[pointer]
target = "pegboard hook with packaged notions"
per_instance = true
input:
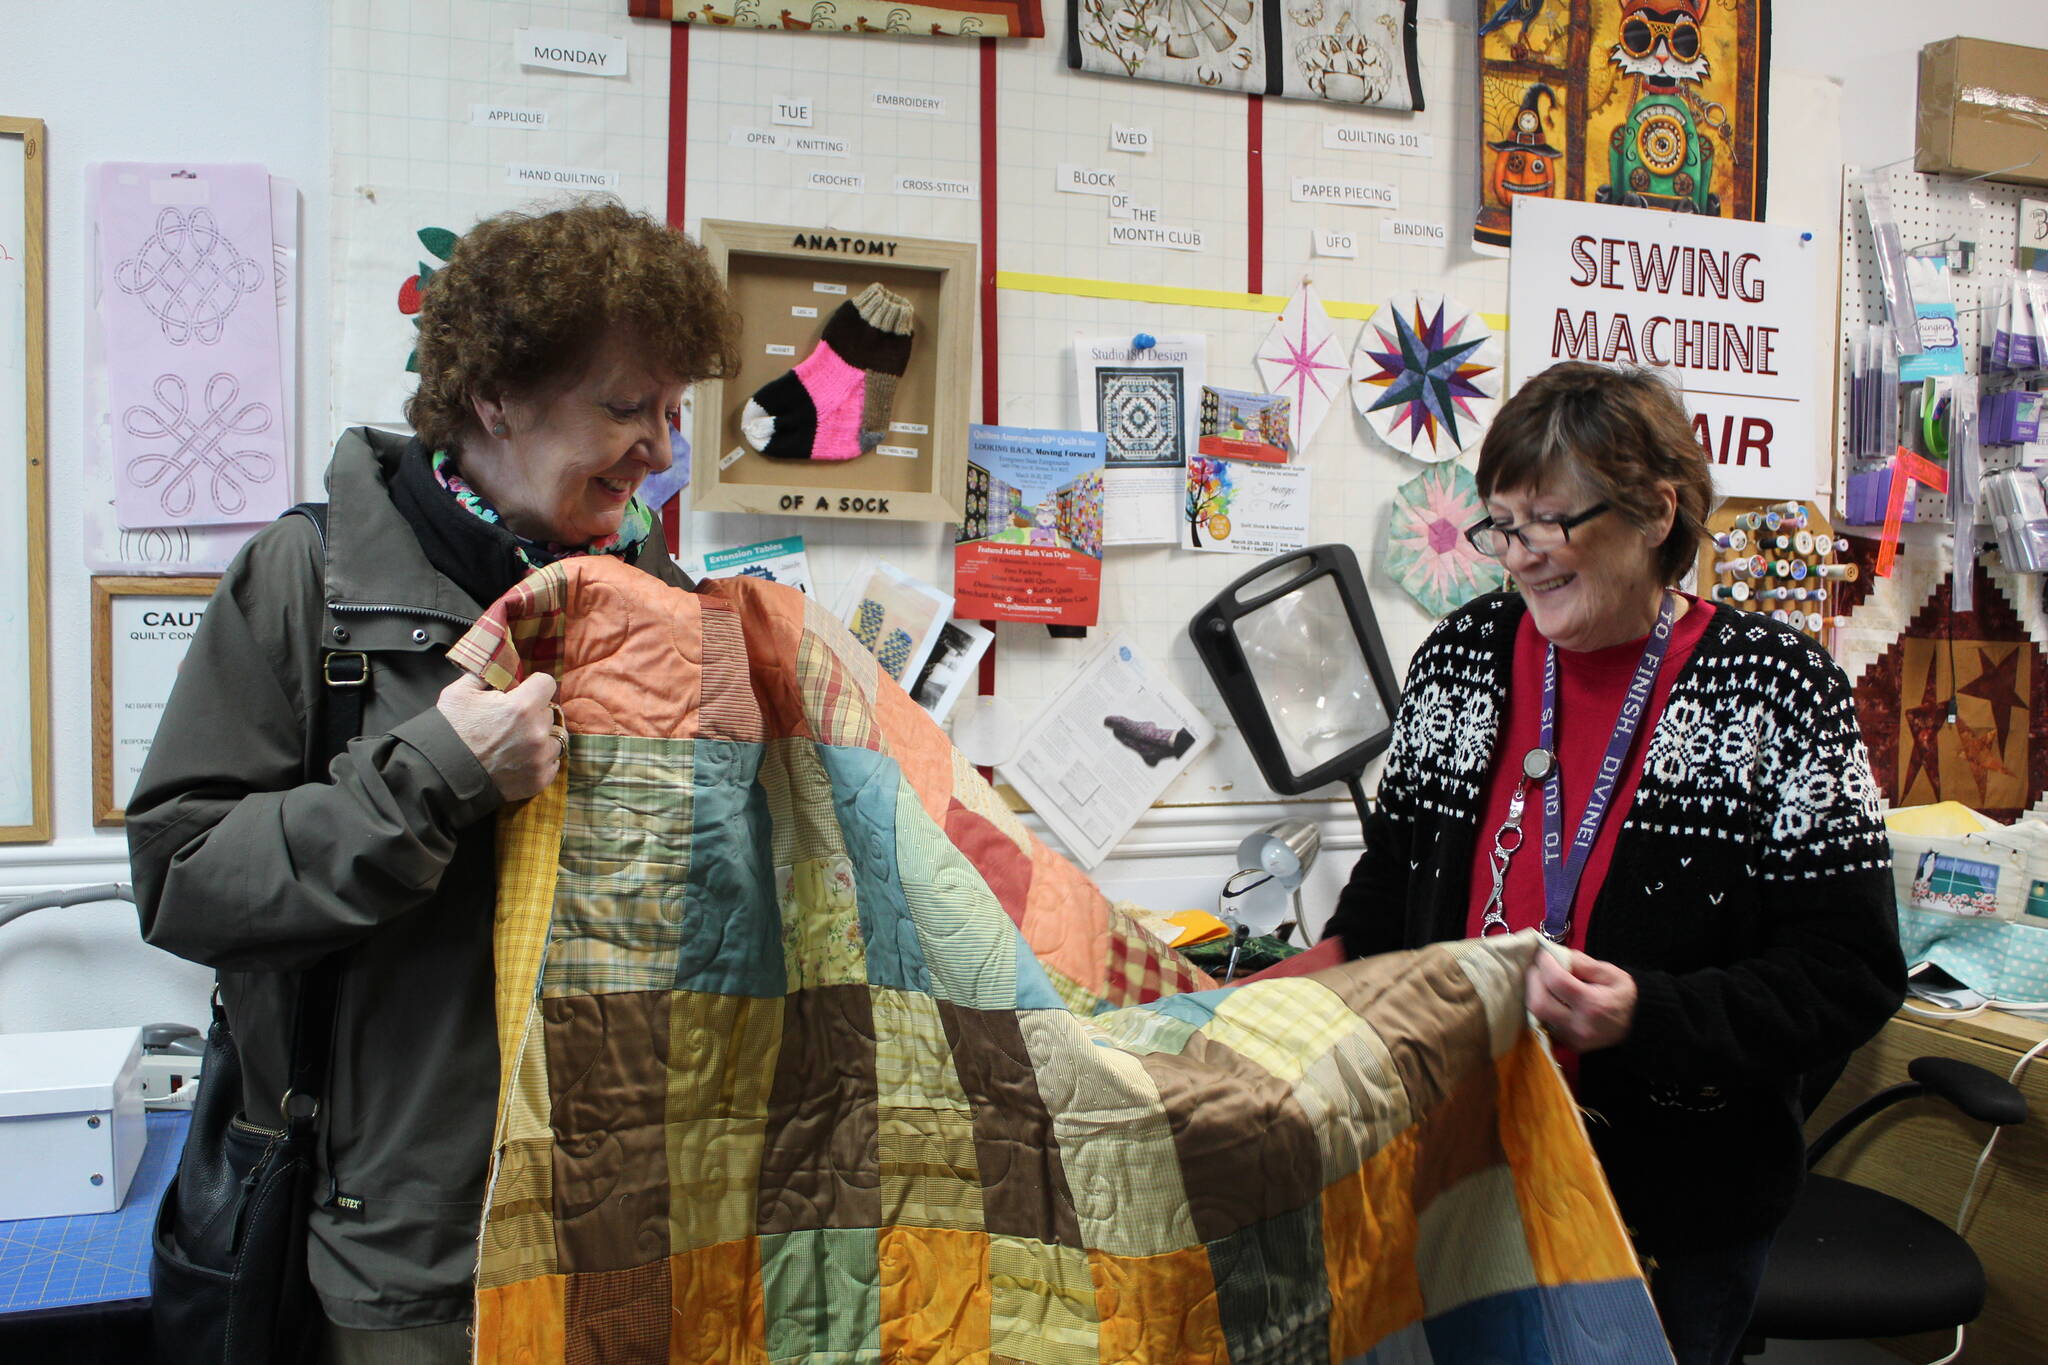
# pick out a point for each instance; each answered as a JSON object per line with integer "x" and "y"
{"x": 1883, "y": 404}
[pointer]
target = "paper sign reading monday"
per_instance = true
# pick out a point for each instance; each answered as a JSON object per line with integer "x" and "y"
{"x": 588, "y": 54}
{"x": 1725, "y": 308}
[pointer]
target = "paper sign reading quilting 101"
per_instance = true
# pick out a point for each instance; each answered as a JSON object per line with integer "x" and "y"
{"x": 1030, "y": 545}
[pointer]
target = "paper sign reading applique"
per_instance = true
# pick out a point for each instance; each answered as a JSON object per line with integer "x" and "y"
{"x": 795, "y": 113}
{"x": 1358, "y": 194}
{"x": 1351, "y": 137}
{"x": 1330, "y": 242}
{"x": 1122, "y": 139}
{"x": 1410, "y": 232}
{"x": 587, "y": 54}
{"x": 931, "y": 188}
{"x": 1086, "y": 180}
{"x": 906, "y": 102}
{"x": 561, "y": 177}
{"x": 839, "y": 182}
{"x": 505, "y": 116}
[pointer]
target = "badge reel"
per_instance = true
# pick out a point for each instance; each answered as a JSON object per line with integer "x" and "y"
{"x": 1537, "y": 765}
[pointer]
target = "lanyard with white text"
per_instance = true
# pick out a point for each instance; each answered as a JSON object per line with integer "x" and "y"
{"x": 1561, "y": 871}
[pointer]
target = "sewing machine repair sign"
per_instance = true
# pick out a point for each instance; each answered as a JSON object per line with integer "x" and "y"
{"x": 1725, "y": 309}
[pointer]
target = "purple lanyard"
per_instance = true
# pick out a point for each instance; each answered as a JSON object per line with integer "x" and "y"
{"x": 1561, "y": 873}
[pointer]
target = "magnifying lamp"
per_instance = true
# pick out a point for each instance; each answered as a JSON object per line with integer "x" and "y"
{"x": 1296, "y": 653}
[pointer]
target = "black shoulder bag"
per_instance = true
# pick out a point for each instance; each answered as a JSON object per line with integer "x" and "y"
{"x": 227, "y": 1279}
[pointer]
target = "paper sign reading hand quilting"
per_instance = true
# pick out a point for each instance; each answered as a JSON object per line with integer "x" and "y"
{"x": 1301, "y": 358}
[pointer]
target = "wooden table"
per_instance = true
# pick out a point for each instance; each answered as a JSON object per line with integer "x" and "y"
{"x": 1922, "y": 1152}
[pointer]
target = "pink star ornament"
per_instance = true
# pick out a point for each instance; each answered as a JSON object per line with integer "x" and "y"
{"x": 1301, "y": 358}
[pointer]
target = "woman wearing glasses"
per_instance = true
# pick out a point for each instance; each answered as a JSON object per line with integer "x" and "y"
{"x": 1676, "y": 794}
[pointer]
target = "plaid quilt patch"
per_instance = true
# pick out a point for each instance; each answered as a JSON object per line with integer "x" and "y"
{"x": 811, "y": 1053}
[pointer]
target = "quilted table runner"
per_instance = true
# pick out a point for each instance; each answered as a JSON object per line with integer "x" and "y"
{"x": 812, "y": 1053}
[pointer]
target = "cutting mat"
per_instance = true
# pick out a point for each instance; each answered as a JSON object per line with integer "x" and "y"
{"x": 92, "y": 1258}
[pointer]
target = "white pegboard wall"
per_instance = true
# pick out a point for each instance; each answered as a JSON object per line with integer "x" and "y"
{"x": 1930, "y": 209}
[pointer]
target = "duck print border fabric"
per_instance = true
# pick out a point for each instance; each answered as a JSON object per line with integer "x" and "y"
{"x": 953, "y": 19}
{"x": 811, "y": 1052}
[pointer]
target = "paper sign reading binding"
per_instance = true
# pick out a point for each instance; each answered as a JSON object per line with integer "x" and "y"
{"x": 1413, "y": 232}
{"x": 587, "y": 54}
{"x": 1357, "y": 194}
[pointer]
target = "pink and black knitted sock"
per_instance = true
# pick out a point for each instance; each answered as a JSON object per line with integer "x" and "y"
{"x": 835, "y": 404}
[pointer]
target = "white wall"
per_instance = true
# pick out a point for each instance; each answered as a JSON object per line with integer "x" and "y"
{"x": 207, "y": 80}
{"x": 241, "y": 80}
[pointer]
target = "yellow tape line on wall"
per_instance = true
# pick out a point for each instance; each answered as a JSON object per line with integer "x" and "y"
{"x": 1186, "y": 298}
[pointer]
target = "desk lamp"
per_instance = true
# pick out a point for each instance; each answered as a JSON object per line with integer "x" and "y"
{"x": 1295, "y": 650}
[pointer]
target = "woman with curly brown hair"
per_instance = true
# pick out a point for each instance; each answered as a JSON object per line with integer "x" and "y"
{"x": 554, "y": 351}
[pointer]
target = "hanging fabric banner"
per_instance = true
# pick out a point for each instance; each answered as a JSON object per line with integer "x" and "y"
{"x": 950, "y": 19}
{"x": 1649, "y": 103}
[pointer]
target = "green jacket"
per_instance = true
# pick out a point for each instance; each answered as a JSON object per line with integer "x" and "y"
{"x": 242, "y": 864}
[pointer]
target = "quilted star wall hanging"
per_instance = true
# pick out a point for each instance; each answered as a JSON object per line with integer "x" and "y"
{"x": 1358, "y": 52}
{"x": 1426, "y": 375}
{"x": 1646, "y": 103}
{"x": 1427, "y": 553}
{"x": 948, "y": 19}
{"x": 1302, "y": 359}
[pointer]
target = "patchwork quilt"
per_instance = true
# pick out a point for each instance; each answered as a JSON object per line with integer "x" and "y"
{"x": 812, "y": 1053}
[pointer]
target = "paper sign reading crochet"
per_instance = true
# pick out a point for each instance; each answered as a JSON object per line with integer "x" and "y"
{"x": 1726, "y": 308}
{"x": 1029, "y": 547}
{"x": 587, "y": 54}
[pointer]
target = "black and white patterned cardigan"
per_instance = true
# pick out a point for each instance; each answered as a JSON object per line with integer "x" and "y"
{"x": 1749, "y": 895}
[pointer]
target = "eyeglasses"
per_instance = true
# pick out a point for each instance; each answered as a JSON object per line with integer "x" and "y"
{"x": 1539, "y": 535}
{"x": 1639, "y": 37}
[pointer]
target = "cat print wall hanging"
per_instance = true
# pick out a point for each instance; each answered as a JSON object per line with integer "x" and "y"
{"x": 1648, "y": 103}
{"x": 1358, "y": 52}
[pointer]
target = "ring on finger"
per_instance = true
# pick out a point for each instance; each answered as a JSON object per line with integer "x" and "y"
{"x": 561, "y": 739}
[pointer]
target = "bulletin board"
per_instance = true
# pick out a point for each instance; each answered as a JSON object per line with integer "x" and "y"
{"x": 963, "y": 141}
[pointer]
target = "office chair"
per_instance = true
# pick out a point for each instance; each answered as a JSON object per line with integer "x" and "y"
{"x": 1850, "y": 1262}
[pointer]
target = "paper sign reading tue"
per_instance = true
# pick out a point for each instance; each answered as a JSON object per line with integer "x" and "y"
{"x": 588, "y": 54}
{"x": 1726, "y": 308}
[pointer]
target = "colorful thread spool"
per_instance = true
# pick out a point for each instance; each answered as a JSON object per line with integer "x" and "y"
{"x": 1731, "y": 592}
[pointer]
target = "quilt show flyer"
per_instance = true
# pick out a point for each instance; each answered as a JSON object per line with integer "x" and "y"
{"x": 1143, "y": 399}
{"x": 1030, "y": 545}
{"x": 1246, "y": 426}
{"x": 1244, "y": 507}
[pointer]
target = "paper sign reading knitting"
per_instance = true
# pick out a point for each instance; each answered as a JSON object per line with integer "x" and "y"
{"x": 1727, "y": 309}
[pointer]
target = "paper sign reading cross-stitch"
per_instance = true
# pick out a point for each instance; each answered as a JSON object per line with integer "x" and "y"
{"x": 1647, "y": 103}
{"x": 190, "y": 314}
{"x": 1726, "y": 309}
{"x": 1030, "y": 545}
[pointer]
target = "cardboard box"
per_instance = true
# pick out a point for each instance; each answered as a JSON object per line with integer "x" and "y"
{"x": 71, "y": 1121}
{"x": 1984, "y": 110}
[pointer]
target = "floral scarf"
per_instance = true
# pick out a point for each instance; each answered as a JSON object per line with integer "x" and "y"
{"x": 634, "y": 526}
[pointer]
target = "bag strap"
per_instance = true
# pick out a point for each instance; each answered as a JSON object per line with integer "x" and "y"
{"x": 346, "y": 675}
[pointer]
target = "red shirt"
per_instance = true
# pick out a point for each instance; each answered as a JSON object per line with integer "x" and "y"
{"x": 1590, "y": 690}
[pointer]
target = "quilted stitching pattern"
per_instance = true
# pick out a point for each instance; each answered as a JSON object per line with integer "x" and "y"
{"x": 813, "y": 1054}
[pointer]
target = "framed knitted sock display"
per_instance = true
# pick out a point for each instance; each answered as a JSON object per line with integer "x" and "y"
{"x": 835, "y": 404}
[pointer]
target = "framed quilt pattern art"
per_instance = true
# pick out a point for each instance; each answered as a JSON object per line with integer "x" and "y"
{"x": 1645, "y": 103}
{"x": 1357, "y": 52}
